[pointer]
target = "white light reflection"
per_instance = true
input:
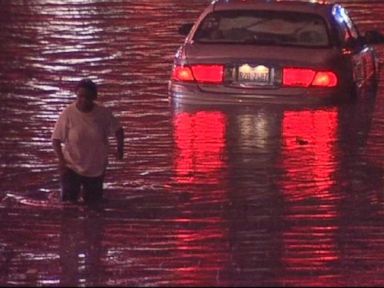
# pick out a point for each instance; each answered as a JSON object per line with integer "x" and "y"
{"x": 67, "y": 34}
{"x": 253, "y": 130}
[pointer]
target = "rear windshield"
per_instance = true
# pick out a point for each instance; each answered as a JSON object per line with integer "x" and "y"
{"x": 263, "y": 27}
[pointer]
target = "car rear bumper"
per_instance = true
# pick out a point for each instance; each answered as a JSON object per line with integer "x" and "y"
{"x": 190, "y": 93}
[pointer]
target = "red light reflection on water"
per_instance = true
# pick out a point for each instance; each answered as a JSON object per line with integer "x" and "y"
{"x": 200, "y": 139}
{"x": 309, "y": 246}
{"x": 308, "y": 146}
{"x": 201, "y": 261}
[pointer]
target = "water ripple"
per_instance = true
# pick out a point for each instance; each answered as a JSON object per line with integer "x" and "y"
{"x": 251, "y": 196}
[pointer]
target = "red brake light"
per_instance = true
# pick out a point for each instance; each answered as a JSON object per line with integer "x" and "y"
{"x": 208, "y": 73}
{"x": 182, "y": 73}
{"x": 325, "y": 79}
{"x": 201, "y": 73}
{"x": 304, "y": 77}
{"x": 298, "y": 77}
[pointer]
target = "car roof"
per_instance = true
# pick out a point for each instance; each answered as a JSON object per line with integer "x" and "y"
{"x": 318, "y": 7}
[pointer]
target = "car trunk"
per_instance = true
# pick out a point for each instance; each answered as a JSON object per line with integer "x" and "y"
{"x": 249, "y": 67}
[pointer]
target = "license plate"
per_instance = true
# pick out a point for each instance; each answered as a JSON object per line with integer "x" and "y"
{"x": 258, "y": 74}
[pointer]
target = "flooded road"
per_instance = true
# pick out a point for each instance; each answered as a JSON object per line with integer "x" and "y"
{"x": 239, "y": 196}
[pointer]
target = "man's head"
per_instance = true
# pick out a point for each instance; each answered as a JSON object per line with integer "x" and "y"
{"x": 86, "y": 92}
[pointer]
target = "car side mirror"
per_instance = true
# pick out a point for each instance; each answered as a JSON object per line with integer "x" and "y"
{"x": 185, "y": 29}
{"x": 373, "y": 37}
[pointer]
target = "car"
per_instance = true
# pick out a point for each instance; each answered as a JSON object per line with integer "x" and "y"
{"x": 275, "y": 51}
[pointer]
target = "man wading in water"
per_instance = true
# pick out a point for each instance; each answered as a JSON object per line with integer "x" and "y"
{"x": 83, "y": 128}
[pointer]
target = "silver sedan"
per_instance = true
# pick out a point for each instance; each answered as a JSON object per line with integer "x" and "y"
{"x": 275, "y": 52}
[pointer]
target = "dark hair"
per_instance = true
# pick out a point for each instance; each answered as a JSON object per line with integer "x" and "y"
{"x": 89, "y": 85}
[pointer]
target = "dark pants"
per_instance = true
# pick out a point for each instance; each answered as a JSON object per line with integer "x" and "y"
{"x": 71, "y": 184}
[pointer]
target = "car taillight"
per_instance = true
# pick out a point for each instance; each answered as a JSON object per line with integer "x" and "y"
{"x": 201, "y": 73}
{"x": 208, "y": 73}
{"x": 297, "y": 77}
{"x": 182, "y": 73}
{"x": 303, "y": 77}
{"x": 325, "y": 79}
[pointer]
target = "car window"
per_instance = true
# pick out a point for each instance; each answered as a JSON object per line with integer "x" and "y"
{"x": 263, "y": 27}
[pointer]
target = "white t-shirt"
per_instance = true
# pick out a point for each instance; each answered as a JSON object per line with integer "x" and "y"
{"x": 85, "y": 138}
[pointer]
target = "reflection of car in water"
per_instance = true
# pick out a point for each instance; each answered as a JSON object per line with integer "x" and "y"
{"x": 283, "y": 177}
{"x": 273, "y": 51}
{"x": 213, "y": 142}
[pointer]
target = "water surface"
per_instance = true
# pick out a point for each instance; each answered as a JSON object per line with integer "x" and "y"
{"x": 239, "y": 196}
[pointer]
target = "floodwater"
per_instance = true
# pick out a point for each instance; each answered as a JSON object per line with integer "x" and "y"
{"x": 239, "y": 196}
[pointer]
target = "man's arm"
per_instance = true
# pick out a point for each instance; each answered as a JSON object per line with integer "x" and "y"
{"x": 56, "y": 143}
{"x": 120, "y": 143}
